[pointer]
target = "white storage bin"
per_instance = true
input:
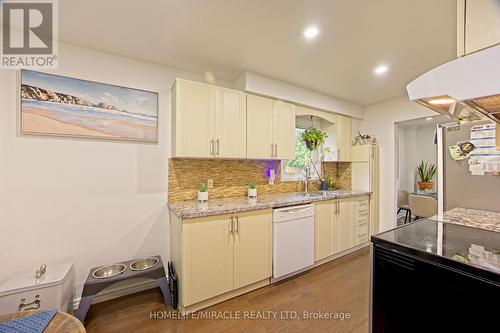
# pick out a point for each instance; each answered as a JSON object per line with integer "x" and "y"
{"x": 53, "y": 290}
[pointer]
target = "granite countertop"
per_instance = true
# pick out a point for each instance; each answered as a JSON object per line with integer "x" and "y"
{"x": 475, "y": 218}
{"x": 193, "y": 209}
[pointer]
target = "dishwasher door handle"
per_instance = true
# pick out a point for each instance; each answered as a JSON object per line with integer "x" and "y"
{"x": 294, "y": 211}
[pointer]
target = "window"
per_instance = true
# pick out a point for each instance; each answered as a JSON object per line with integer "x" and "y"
{"x": 295, "y": 169}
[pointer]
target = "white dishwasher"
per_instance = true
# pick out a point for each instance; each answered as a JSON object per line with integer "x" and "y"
{"x": 293, "y": 240}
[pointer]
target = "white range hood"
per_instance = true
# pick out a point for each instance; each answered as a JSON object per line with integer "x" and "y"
{"x": 467, "y": 88}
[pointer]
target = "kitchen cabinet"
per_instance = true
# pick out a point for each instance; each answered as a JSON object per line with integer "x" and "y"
{"x": 365, "y": 177}
{"x": 344, "y": 134}
{"x": 231, "y": 125}
{"x": 339, "y": 130}
{"x": 252, "y": 248}
{"x": 211, "y": 244}
{"x": 270, "y": 128}
{"x": 478, "y": 25}
{"x": 325, "y": 229}
{"x": 208, "y": 121}
{"x": 345, "y": 225}
{"x": 221, "y": 255}
{"x": 340, "y": 225}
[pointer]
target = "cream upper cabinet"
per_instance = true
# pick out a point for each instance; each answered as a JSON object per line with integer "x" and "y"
{"x": 259, "y": 127}
{"x": 208, "y": 121}
{"x": 270, "y": 128}
{"x": 344, "y": 135}
{"x": 478, "y": 25}
{"x": 211, "y": 257}
{"x": 284, "y": 130}
{"x": 252, "y": 248}
{"x": 193, "y": 116}
{"x": 231, "y": 125}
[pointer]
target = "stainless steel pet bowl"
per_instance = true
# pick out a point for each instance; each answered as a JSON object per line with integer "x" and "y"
{"x": 108, "y": 271}
{"x": 143, "y": 264}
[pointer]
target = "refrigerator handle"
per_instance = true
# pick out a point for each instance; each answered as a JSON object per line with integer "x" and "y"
{"x": 440, "y": 162}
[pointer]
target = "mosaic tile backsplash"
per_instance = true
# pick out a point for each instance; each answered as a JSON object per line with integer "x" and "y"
{"x": 232, "y": 176}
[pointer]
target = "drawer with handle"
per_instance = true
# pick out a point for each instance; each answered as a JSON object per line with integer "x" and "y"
{"x": 360, "y": 234}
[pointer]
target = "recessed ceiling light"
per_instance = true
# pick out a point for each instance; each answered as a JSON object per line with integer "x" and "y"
{"x": 428, "y": 118}
{"x": 381, "y": 70}
{"x": 440, "y": 101}
{"x": 311, "y": 32}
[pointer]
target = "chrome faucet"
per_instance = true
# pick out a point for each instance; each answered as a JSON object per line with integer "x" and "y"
{"x": 306, "y": 179}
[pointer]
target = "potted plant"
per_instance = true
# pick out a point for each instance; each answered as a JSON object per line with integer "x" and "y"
{"x": 426, "y": 173}
{"x": 202, "y": 193}
{"x": 252, "y": 190}
{"x": 313, "y": 138}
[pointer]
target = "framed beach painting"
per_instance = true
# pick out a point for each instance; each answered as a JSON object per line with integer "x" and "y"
{"x": 63, "y": 106}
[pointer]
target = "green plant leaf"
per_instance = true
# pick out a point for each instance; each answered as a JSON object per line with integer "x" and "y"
{"x": 426, "y": 171}
{"x": 313, "y": 138}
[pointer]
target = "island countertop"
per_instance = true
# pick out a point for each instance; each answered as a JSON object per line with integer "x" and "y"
{"x": 193, "y": 209}
{"x": 480, "y": 219}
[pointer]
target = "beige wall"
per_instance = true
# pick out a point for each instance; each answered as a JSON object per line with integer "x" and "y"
{"x": 87, "y": 202}
{"x": 379, "y": 121}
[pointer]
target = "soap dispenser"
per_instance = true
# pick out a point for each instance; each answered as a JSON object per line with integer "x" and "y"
{"x": 272, "y": 176}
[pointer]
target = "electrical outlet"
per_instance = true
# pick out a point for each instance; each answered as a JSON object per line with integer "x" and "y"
{"x": 210, "y": 183}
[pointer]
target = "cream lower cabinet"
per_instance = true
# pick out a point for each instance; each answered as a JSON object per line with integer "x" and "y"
{"x": 340, "y": 225}
{"x": 252, "y": 248}
{"x": 218, "y": 255}
{"x": 325, "y": 229}
{"x": 211, "y": 261}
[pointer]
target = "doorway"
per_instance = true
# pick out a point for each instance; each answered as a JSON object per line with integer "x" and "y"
{"x": 416, "y": 145}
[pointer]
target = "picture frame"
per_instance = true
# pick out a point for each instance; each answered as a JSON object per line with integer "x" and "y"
{"x": 56, "y": 105}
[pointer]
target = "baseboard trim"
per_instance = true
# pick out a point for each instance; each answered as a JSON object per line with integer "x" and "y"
{"x": 340, "y": 254}
{"x": 224, "y": 297}
{"x": 139, "y": 286}
{"x": 128, "y": 289}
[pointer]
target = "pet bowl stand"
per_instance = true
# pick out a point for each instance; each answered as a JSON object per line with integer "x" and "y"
{"x": 94, "y": 285}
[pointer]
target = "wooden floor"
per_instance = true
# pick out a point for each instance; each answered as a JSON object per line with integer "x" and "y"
{"x": 340, "y": 286}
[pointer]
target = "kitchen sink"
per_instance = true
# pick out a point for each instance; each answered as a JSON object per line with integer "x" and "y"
{"x": 314, "y": 193}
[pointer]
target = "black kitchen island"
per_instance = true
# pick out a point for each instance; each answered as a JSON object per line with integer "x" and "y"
{"x": 430, "y": 276}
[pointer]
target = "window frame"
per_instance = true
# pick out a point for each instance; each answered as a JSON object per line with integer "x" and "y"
{"x": 295, "y": 176}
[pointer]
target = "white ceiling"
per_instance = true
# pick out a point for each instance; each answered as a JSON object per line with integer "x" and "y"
{"x": 228, "y": 37}
{"x": 414, "y": 123}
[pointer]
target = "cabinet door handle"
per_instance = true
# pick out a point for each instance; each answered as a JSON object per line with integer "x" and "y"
{"x": 212, "y": 147}
{"x": 275, "y": 150}
{"x": 237, "y": 229}
{"x": 272, "y": 150}
{"x": 30, "y": 306}
{"x": 217, "y": 143}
